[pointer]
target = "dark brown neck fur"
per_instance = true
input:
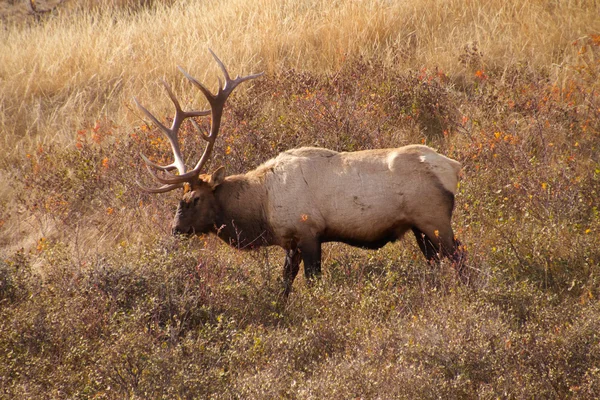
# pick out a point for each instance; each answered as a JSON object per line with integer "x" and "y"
{"x": 241, "y": 220}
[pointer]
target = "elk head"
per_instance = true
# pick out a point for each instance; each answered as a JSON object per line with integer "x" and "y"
{"x": 198, "y": 208}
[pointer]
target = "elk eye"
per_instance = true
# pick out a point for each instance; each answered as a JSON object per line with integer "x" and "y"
{"x": 196, "y": 200}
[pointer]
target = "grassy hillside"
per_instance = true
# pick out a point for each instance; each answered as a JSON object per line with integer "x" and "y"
{"x": 98, "y": 301}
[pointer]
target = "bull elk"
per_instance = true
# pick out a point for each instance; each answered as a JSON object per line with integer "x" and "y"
{"x": 307, "y": 196}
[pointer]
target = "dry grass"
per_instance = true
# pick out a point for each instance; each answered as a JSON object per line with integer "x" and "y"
{"x": 78, "y": 67}
{"x": 97, "y": 301}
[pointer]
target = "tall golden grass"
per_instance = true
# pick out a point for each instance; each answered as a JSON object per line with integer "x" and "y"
{"x": 78, "y": 66}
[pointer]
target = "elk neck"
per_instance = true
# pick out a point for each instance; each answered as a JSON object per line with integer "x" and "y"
{"x": 241, "y": 220}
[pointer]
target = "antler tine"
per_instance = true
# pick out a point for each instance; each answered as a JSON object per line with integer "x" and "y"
{"x": 161, "y": 189}
{"x": 152, "y": 164}
{"x": 171, "y": 134}
{"x": 217, "y": 102}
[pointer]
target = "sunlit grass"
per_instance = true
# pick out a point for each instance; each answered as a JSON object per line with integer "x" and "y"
{"x": 80, "y": 66}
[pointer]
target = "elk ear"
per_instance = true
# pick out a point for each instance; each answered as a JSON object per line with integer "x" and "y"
{"x": 217, "y": 177}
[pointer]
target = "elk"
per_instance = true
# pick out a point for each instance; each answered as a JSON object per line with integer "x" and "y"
{"x": 307, "y": 196}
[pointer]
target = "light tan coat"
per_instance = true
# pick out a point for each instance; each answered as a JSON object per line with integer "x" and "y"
{"x": 308, "y": 196}
{"x": 357, "y": 195}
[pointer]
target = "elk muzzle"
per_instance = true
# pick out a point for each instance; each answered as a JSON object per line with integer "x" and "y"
{"x": 179, "y": 231}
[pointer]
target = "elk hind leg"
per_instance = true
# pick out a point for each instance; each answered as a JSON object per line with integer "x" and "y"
{"x": 438, "y": 243}
{"x": 428, "y": 247}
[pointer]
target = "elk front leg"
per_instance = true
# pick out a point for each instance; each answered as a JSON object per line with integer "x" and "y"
{"x": 311, "y": 256}
{"x": 445, "y": 246}
{"x": 290, "y": 269}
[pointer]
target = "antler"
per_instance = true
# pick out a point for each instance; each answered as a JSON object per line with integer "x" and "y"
{"x": 171, "y": 134}
{"x": 217, "y": 102}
